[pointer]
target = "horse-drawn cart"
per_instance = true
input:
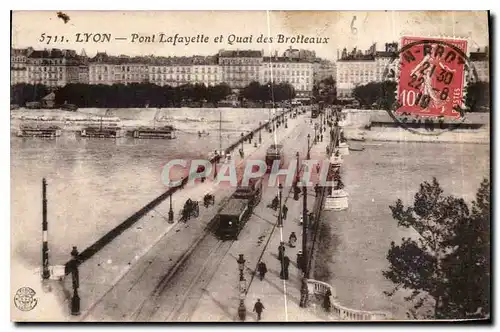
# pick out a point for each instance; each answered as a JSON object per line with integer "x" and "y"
{"x": 191, "y": 209}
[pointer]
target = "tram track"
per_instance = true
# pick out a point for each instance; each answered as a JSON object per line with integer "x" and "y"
{"x": 177, "y": 295}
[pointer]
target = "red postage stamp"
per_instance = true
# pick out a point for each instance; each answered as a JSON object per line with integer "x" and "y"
{"x": 431, "y": 80}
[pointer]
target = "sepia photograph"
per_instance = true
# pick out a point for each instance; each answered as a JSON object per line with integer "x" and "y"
{"x": 250, "y": 166}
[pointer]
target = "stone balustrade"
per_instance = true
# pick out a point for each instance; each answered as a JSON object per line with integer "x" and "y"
{"x": 320, "y": 288}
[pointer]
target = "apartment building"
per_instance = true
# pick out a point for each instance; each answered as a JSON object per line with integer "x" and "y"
{"x": 18, "y": 65}
{"x": 175, "y": 71}
{"x": 52, "y": 68}
{"x": 360, "y": 68}
{"x": 293, "y": 70}
{"x": 240, "y": 67}
{"x": 105, "y": 69}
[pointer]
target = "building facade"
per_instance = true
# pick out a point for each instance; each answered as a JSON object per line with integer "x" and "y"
{"x": 52, "y": 68}
{"x": 360, "y": 68}
{"x": 18, "y": 65}
{"x": 295, "y": 71}
{"x": 240, "y": 67}
{"x": 105, "y": 69}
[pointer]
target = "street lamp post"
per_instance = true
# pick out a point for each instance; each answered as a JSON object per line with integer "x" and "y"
{"x": 303, "y": 290}
{"x": 296, "y": 189}
{"x": 260, "y": 133}
{"x": 75, "y": 299}
{"x": 242, "y": 310}
{"x": 315, "y": 132}
{"x": 280, "y": 211}
{"x": 45, "y": 242}
{"x": 170, "y": 211}
{"x": 308, "y": 144}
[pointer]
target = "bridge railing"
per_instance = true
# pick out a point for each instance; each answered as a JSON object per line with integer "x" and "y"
{"x": 317, "y": 287}
{"x": 116, "y": 231}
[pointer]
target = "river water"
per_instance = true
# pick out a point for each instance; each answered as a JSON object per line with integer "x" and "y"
{"x": 94, "y": 184}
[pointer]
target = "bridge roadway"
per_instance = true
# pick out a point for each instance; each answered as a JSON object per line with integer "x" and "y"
{"x": 178, "y": 298}
{"x": 151, "y": 276}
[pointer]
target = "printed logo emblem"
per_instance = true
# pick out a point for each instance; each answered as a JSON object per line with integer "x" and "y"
{"x": 25, "y": 299}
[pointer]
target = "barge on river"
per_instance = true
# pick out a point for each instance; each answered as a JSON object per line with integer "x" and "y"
{"x": 166, "y": 132}
{"x": 39, "y": 131}
{"x": 102, "y": 132}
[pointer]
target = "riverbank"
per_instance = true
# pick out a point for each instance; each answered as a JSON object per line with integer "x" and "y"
{"x": 360, "y": 236}
{"x": 377, "y": 125}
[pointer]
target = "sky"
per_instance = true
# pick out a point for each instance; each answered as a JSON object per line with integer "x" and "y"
{"x": 342, "y": 28}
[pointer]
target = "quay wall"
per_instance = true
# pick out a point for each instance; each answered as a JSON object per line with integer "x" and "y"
{"x": 377, "y": 125}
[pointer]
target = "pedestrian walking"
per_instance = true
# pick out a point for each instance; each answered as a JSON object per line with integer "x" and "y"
{"x": 316, "y": 189}
{"x": 318, "y": 167}
{"x": 262, "y": 268}
{"x": 292, "y": 239}
{"x": 281, "y": 250}
{"x": 258, "y": 308}
{"x": 285, "y": 211}
{"x": 285, "y": 263}
{"x": 300, "y": 260}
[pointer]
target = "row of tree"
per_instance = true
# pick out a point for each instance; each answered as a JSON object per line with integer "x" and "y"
{"x": 120, "y": 95}
{"x": 382, "y": 95}
{"x": 22, "y": 93}
{"x": 446, "y": 269}
{"x": 141, "y": 94}
{"x": 268, "y": 92}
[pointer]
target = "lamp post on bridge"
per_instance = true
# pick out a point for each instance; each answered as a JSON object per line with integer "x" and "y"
{"x": 304, "y": 259}
{"x": 296, "y": 189}
{"x": 75, "y": 299}
{"x": 280, "y": 210}
{"x": 316, "y": 132}
{"x": 45, "y": 242}
{"x": 260, "y": 133}
{"x": 171, "y": 211}
{"x": 308, "y": 144}
{"x": 242, "y": 310}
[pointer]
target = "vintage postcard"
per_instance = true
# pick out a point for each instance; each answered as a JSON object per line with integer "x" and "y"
{"x": 250, "y": 166}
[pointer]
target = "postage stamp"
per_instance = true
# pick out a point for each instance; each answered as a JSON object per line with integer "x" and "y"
{"x": 431, "y": 77}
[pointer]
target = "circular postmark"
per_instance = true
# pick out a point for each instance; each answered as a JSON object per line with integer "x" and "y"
{"x": 431, "y": 77}
{"x": 25, "y": 299}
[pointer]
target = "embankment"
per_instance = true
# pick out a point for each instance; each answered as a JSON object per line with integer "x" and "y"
{"x": 377, "y": 125}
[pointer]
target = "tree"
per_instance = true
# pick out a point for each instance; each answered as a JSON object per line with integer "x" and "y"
{"x": 22, "y": 93}
{"x": 325, "y": 91}
{"x": 253, "y": 91}
{"x": 469, "y": 265}
{"x": 382, "y": 94}
{"x": 428, "y": 265}
{"x": 218, "y": 92}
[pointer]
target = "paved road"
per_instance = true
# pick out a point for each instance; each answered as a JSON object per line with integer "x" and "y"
{"x": 178, "y": 297}
{"x": 146, "y": 276}
{"x": 259, "y": 241}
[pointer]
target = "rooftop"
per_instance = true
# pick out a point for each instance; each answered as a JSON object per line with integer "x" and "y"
{"x": 240, "y": 53}
{"x": 284, "y": 59}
